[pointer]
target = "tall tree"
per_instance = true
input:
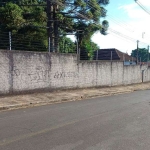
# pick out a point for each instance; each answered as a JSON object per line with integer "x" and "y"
{"x": 26, "y": 23}
{"x": 80, "y": 17}
{"x": 84, "y": 16}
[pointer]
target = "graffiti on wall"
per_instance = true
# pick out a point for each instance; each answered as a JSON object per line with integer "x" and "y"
{"x": 39, "y": 75}
{"x": 61, "y": 75}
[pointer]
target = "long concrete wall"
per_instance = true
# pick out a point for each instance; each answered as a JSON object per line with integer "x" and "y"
{"x": 28, "y": 71}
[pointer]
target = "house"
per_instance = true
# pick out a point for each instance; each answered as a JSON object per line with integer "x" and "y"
{"x": 114, "y": 54}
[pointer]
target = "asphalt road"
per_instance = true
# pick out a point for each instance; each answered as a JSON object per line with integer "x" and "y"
{"x": 120, "y": 122}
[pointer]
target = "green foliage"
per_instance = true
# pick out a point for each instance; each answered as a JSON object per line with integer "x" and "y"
{"x": 11, "y": 17}
{"x": 83, "y": 19}
{"x": 30, "y": 22}
{"x": 26, "y": 23}
{"x": 143, "y": 54}
{"x": 94, "y": 10}
{"x": 89, "y": 47}
{"x": 104, "y": 28}
{"x": 66, "y": 45}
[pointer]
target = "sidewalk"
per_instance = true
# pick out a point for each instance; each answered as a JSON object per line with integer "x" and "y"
{"x": 37, "y": 99}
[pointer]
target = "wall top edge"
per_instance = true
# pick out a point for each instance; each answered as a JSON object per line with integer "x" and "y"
{"x": 34, "y": 52}
{"x": 83, "y": 61}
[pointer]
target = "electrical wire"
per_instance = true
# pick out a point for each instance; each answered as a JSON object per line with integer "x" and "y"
{"x": 126, "y": 26}
{"x": 126, "y": 37}
{"x": 83, "y": 16}
{"x": 120, "y": 34}
{"x": 142, "y": 6}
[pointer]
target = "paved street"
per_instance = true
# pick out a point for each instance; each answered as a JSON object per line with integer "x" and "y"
{"x": 120, "y": 122}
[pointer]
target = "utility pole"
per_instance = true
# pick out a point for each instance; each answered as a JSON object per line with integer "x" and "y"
{"x": 55, "y": 7}
{"x": 50, "y": 29}
{"x": 143, "y": 33}
{"x": 147, "y": 54}
{"x": 137, "y": 52}
{"x": 52, "y": 24}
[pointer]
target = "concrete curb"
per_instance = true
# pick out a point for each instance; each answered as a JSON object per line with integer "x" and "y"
{"x": 39, "y": 99}
{"x": 73, "y": 98}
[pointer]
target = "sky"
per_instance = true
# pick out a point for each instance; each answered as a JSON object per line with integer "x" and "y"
{"x": 128, "y": 22}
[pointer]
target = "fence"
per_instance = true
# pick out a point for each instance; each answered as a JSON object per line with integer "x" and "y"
{"x": 26, "y": 42}
{"x": 108, "y": 55}
{"x": 35, "y": 42}
{"x": 40, "y": 42}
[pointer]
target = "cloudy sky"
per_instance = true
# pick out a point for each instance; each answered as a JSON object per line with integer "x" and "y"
{"x": 128, "y": 23}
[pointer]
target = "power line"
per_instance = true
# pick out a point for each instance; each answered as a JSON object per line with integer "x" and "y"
{"x": 116, "y": 32}
{"x": 112, "y": 30}
{"x": 126, "y": 26}
{"x": 142, "y": 6}
{"x": 122, "y": 35}
{"x": 120, "y": 23}
{"x": 126, "y": 37}
{"x": 83, "y": 16}
{"x": 117, "y": 22}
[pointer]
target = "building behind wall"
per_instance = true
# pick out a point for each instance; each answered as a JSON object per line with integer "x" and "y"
{"x": 114, "y": 54}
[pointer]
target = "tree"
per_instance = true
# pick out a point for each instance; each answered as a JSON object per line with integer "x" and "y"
{"x": 29, "y": 23}
{"x": 11, "y": 17}
{"x": 25, "y": 24}
{"x": 66, "y": 45}
{"x": 85, "y": 17}
{"x": 87, "y": 50}
{"x": 143, "y": 54}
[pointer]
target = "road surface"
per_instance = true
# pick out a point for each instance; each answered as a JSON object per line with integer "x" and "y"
{"x": 120, "y": 122}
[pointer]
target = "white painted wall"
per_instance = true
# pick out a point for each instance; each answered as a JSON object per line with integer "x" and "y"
{"x": 28, "y": 71}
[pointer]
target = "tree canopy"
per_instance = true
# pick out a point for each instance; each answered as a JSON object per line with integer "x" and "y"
{"x": 84, "y": 16}
{"x": 143, "y": 54}
{"x": 28, "y": 19}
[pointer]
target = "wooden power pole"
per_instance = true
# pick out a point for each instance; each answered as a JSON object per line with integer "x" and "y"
{"x": 50, "y": 29}
{"x": 56, "y": 36}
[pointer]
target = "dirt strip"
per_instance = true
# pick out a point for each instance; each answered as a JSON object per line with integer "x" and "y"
{"x": 37, "y": 99}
